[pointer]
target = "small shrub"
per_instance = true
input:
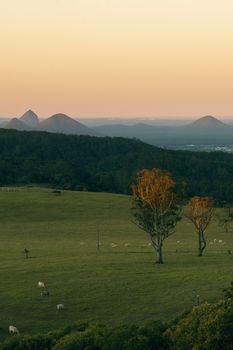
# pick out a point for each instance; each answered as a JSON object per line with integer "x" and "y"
{"x": 77, "y": 341}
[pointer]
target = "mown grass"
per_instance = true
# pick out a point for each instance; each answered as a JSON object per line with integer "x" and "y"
{"x": 113, "y": 285}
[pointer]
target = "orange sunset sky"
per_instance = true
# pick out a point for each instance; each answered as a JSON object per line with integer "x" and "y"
{"x": 125, "y": 58}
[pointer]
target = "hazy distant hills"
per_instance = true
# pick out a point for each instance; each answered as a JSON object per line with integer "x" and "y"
{"x": 206, "y": 130}
{"x": 58, "y": 123}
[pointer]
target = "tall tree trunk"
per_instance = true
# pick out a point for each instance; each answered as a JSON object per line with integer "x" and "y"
{"x": 203, "y": 242}
{"x": 199, "y": 244}
{"x": 159, "y": 253}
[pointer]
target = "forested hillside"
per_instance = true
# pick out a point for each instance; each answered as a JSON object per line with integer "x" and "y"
{"x": 106, "y": 164}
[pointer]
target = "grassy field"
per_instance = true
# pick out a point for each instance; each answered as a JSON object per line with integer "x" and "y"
{"x": 118, "y": 284}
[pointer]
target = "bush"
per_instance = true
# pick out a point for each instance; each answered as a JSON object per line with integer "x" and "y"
{"x": 148, "y": 337}
{"x": 36, "y": 342}
{"x": 206, "y": 327}
{"x": 75, "y": 327}
{"x": 40, "y": 341}
{"x": 117, "y": 338}
{"x": 154, "y": 331}
{"x": 77, "y": 341}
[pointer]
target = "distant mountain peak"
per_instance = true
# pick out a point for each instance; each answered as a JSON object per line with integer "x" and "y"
{"x": 61, "y": 116}
{"x": 30, "y": 111}
{"x": 17, "y": 124}
{"x": 61, "y": 123}
{"x": 30, "y": 118}
{"x": 208, "y": 122}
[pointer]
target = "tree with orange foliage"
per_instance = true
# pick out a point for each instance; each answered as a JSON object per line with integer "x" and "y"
{"x": 200, "y": 212}
{"x": 155, "y": 206}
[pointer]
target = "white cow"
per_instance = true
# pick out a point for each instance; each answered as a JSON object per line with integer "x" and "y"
{"x": 13, "y": 329}
{"x": 41, "y": 284}
{"x": 60, "y": 306}
{"x": 113, "y": 245}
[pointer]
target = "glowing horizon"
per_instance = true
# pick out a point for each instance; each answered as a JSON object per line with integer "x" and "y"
{"x": 109, "y": 58}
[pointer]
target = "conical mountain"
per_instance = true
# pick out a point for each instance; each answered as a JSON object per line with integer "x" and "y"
{"x": 61, "y": 123}
{"x": 30, "y": 118}
{"x": 17, "y": 125}
{"x": 208, "y": 122}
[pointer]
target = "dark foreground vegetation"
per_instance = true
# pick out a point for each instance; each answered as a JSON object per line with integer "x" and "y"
{"x": 206, "y": 327}
{"x": 107, "y": 164}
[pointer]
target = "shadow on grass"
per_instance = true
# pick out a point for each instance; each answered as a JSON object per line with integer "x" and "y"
{"x": 123, "y": 253}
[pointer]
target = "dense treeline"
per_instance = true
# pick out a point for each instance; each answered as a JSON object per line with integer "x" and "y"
{"x": 106, "y": 164}
{"x": 206, "y": 327}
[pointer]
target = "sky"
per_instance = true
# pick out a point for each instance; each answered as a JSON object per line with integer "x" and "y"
{"x": 116, "y": 58}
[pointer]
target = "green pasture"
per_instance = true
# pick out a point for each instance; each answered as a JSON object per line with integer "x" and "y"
{"x": 119, "y": 283}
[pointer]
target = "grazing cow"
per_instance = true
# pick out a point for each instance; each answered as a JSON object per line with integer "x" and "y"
{"x": 60, "y": 306}
{"x": 13, "y": 329}
{"x": 127, "y": 245}
{"x": 45, "y": 293}
{"x": 113, "y": 245}
{"x": 57, "y": 192}
{"x": 220, "y": 241}
{"x": 41, "y": 284}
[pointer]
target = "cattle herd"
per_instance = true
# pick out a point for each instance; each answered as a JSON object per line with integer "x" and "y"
{"x": 44, "y": 293}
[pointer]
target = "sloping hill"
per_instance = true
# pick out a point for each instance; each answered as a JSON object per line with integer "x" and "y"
{"x": 106, "y": 164}
{"x": 61, "y": 123}
{"x": 107, "y": 285}
{"x": 30, "y": 118}
{"x": 17, "y": 125}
